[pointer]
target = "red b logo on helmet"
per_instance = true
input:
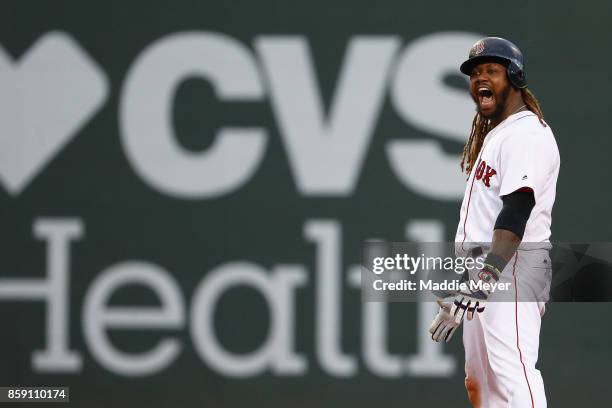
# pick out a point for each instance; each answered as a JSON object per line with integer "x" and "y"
{"x": 478, "y": 47}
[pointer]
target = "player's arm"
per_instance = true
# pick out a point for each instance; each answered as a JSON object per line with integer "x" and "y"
{"x": 507, "y": 235}
{"x": 510, "y": 227}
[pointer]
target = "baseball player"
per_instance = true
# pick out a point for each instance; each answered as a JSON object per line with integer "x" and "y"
{"x": 513, "y": 163}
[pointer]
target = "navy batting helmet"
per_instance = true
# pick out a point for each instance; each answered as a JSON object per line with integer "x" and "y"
{"x": 495, "y": 48}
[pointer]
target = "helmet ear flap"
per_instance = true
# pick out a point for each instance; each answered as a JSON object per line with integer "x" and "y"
{"x": 516, "y": 76}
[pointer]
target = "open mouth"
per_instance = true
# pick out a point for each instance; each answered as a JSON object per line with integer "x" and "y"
{"x": 485, "y": 98}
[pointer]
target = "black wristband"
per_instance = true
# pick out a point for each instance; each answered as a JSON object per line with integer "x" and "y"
{"x": 496, "y": 262}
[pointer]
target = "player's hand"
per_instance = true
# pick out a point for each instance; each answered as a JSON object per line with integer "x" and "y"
{"x": 444, "y": 324}
{"x": 466, "y": 306}
{"x": 474, "y": 299}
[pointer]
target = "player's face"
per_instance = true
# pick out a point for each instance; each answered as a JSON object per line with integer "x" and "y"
{"x": 489, "y": 87}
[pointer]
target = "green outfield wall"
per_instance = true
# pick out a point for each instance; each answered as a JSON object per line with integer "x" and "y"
{"x": 185, "y": 188}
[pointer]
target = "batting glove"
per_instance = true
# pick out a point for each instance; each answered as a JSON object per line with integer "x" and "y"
{"x": 444, "y": 324}
{"x": 474, "y": 299}
{"x": 465, "y": 306}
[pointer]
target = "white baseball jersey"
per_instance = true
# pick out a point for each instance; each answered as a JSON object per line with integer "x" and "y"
{"x": 519, "y": 152}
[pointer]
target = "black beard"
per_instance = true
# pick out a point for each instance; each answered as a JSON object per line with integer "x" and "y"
{"x": 501, "y": 105}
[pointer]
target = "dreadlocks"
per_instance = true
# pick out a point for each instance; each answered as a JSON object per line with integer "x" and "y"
{"x": 482, "y": 126}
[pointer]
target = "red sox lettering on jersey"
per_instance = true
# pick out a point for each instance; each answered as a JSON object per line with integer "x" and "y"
{"x": 485, "y": 172}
